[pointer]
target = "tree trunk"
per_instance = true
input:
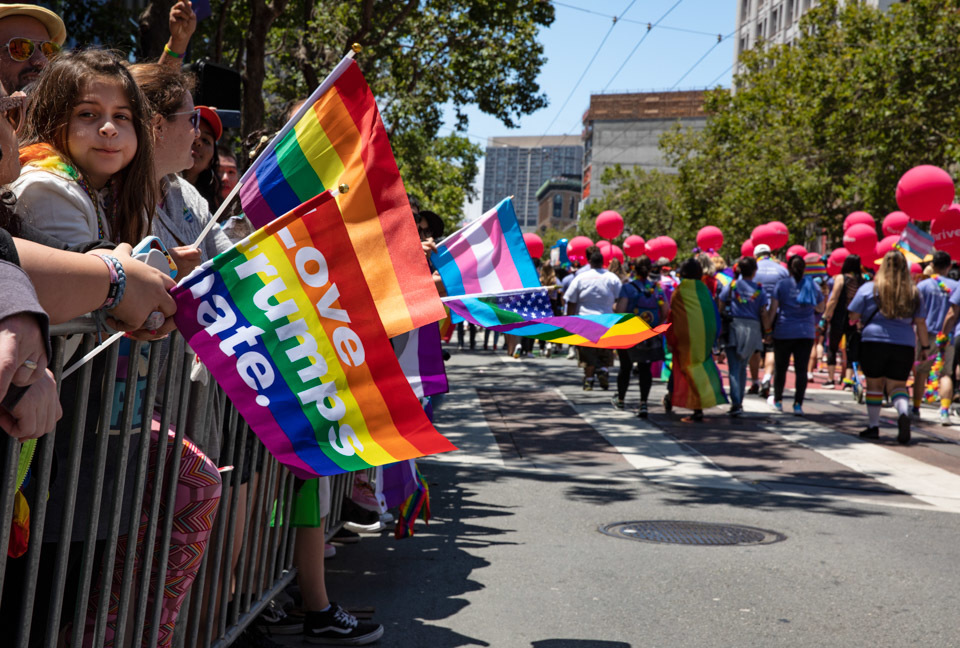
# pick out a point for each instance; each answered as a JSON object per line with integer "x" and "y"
{"x": 154, "y": 24}
{"x": 262, "y": 15}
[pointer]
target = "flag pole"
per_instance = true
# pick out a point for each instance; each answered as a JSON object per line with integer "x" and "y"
{"x": 289, "y": 126}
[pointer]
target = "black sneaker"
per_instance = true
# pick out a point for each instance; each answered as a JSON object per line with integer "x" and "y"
{"x": 337, "y": 627}
{"x": 617, "y": 402}
{"x": 870, "y": 433}
{"x": 642, "y": 412}
{"x": 345, "y": 536}
{"x": 754, "y": 389}
{"x": 604, "y": 379}
{"x": 667, "y": 404}
{"x": 697, "y": 416}
{"x": 765, "y": 391}
{"x": 587, "y": 384}
{"x": 735, "y": 411}
{"x": 903, "y": 429}
{"x": 273, "y": 620}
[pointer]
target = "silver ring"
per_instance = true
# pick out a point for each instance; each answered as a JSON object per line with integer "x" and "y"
{"x": 30, "y": 364}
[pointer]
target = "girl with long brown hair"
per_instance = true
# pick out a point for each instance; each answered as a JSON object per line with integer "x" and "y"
{"x": 889, "y": 308}
{"x": 88, "y": 154}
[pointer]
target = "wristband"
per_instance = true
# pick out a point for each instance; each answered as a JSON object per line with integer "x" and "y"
{"x": 118, "y": 281}
{"x": 942, "y": 338}
{"x": 166, "y": 48}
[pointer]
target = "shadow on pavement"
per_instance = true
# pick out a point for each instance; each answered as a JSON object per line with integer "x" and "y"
{"x": 767, "y": 502}
{"x": 578, "y": 643}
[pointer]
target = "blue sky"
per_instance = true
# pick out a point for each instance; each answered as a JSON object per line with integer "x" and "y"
{"x": 666, "y": 54}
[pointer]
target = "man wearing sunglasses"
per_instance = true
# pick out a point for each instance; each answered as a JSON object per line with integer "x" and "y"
{"x": 29, "y": 36}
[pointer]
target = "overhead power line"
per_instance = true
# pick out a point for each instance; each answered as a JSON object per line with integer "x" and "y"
{"x": 639, "y": 22}
{"x": 700, "y": 60}
{"x": 639, "y": 43}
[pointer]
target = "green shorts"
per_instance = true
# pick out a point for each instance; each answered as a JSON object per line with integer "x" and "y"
{"x": 311, "y": 503}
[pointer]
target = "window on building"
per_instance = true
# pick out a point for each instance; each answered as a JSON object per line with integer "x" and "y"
{"x": 573, "y": 208}
{"x": 745, "y": 12}
{"x": 557, "y": 207}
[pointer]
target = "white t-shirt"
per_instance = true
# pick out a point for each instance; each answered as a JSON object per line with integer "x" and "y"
{"x": 595, "y": 290}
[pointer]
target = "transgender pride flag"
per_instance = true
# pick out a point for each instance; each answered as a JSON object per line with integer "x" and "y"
{"x": 486, "y": 256}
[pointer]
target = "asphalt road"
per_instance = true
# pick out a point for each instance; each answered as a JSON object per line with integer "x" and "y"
{"x": 513, "y": 556}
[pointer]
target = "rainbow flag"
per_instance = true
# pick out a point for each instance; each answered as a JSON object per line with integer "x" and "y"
{"x": 283, "y": 321}
{"x": 696, "y": 323}
{"x": 815, "y": 269}
{"x": 724, "y": 278}
{"x": 915, "y": 243}
{"x": 527, "y": 313}
{"x": 338, "y": 137}
{"x": 486, "y": 256}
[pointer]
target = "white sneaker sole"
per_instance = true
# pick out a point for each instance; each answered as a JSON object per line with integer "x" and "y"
{"x": 368, "y": 638}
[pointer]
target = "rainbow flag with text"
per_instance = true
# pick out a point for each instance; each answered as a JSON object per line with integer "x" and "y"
{"x": 340, "y": 138}
{"x": 284, "y": 322}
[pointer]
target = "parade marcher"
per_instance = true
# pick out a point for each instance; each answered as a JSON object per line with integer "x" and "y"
{"x": 845, "y": 286}
{"x": 643, "y": 298}
{"x": 745, "y": 303}
{"x": 593, "y": 292}
{"x": 769, "y": 274}
{"x": 887, "y": 309}
{"x": 790, "y": 319}
{"x": 935, "y": 291}
{"x": 695, "y": 381}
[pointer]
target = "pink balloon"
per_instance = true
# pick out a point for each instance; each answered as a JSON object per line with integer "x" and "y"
{"x": 859, "y": 217}
{"x": 894, "y": 223}
{"x": 710, "y": 238}
{"x": 924, "y": 192}
{"x": 835, "y": 261}
{"x": 669, "y": 248}
{"x": 662, "y": 246}
{"x": 577, "y": 246}
{"x": 781, "y": 234}
{"x": 886, "y": 244}
{"x": 607, "y": 253}
{"x": 534, "y": 244}
{"x": 609, "y": 224}
{"x": 915, "y": 269}
{"x": 746, "y": 249}
{"x": 603, "y": 244}
{"x": 753, "y": 234}
{"x": 811, "y": 257}
{"x": 765, "y": 235}
{"x": 634, "y": 246}
{"x": 861, "y": 239}
{"x": 946, "y": 231}
{"x": 796, "y": 250}
{"x": 617, "y": 253}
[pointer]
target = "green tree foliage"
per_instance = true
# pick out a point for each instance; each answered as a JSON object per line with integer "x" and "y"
{"x": 419, "y": 57}
{"x": 649, "y": 202}
{"x": 827, "y": 125}
{"x": 101, "y": 22}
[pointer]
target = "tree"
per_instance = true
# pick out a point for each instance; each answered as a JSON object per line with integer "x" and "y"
{"x": 647, "y": 200}
{"x": 827, "y": 125}
{"x": 418, "y": 57}
{"x": 101, "y": 22}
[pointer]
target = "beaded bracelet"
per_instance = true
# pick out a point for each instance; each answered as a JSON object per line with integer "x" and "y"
{"x": 166, "y": 48}
{"x": 942, "y": 338}
{"x": 118, "y": 281}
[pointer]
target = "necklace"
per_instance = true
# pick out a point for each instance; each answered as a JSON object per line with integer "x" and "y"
{"x": 648, "y": 289}
{"x": 944, "y": 288}
{"x": 739, "y": 296}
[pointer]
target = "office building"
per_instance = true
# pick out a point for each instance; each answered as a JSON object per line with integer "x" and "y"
{"x": 518, "y": 167}
{"x": 625, "y": 129}
{"x": 558, "y": 201}
{"x": 775, "y": 21}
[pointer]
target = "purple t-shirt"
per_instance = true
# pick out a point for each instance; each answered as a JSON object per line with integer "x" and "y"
{"x": 795, "y": 321}
{"x": 744, "y": 299}
{"x": 936, "y": 301}
{"x": 769, "y": 273}
{"x": 643, "y": 299}
{"x": 880, "y": 329}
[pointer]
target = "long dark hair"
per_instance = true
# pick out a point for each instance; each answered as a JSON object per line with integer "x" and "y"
{"x": 796, "y": 265}
{"x": 643, "y": 266}
{"x": 56, "y": 94}
{"x": 208, "y": 181}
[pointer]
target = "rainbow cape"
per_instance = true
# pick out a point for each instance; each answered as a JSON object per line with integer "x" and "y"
{"x": 338, "y": 137}
{"x": 527, "y": 313}
{"x": 696, "y": 323}
{"x": 284, "y": 322}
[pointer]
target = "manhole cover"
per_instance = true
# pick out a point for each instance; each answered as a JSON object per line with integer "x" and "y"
{"x": 691, "y": 533}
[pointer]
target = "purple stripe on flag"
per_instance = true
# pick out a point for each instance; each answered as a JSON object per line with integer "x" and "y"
{"x": 254, "y": 204}
{"x": 432, "y": 372}
{"x": 572, "y": 324}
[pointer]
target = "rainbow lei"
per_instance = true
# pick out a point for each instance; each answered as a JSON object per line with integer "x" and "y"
{"x": 944, "y": 288}
{"x": 44, "y": 156}
{"x": 649, "y": 289}
{"x": 739, "y": 297}
{"x": 931, "y": 391}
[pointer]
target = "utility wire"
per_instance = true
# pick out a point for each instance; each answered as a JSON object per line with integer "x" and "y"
{"x": 638, "y": 22}
{"x": 719, "y": 76}
{"x": 639, "y": 43}
{"x": 585, "y": 70}
{"x": 700, "y": 60}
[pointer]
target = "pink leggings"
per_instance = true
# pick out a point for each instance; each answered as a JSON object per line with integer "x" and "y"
{"x": 197, "y": 497}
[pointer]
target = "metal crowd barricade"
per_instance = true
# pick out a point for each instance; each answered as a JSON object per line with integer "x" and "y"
{"x": 247, "y": 560}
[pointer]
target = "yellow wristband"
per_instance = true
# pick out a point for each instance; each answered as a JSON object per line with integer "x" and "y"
{"x": 166, "y": 48}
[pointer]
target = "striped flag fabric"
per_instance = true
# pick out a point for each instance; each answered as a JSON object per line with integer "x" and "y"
{"x": 486, "y": 256}
{"x": 282, "y": 320}
{"x": 421, "y": 360}
{"x": 338, "y": 137}
{"x": 915, "y": 243}
{"x": 696, "y": 378}
{"x": 527, "y": 313}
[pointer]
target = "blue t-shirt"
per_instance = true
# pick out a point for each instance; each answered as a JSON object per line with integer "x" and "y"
{"x": 880, "y": 329}
{"x": 769, "y": 273}
{"x": 936, "y": 301}
{"x": 643, "y": 299}
{"x": 744, "y": 299}
{"x": 795, "y": 321}
{"x": 954, "y": 301}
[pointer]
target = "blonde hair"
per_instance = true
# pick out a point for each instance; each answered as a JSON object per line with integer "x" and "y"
{"x": 616, "y": 268}
{"x": 548, "y": 275}
{"x": 893, "y": 287}
{"x": 707, "y": 264}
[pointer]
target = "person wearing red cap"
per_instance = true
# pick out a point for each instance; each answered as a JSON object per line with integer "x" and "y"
{"x": 205, "y": 172}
